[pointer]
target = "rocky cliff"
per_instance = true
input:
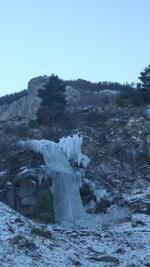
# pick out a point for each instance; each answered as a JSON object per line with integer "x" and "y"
{"x": 27, "y": 106}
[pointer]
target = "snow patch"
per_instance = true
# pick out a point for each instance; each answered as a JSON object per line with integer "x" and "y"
{"x": 100, "y": 194}
{"x": 2, "y": 173}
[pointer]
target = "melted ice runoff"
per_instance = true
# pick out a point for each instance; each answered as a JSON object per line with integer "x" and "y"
{"x": 65, "y": 183}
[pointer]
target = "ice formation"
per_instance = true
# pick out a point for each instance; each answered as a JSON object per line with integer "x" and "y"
{"x": 71, "y": 146}
{"x": 57, "y": 156}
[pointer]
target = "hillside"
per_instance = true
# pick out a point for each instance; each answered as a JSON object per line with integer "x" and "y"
{"x": 114, "y": 187}
{"x": 27, "y": 243}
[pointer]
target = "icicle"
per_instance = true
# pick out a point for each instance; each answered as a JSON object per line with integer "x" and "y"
{"x": 67, "y": 202}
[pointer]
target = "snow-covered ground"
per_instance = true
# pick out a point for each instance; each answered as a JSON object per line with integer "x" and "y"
{"x": 27, "y": 243}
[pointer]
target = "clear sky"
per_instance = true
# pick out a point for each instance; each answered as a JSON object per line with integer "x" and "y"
{"x": 96, "y": 40}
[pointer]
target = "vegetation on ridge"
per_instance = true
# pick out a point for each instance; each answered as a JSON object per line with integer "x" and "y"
{"x": 9, "y": 99}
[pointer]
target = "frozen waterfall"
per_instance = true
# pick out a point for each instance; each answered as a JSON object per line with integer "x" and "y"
{"x": 65, "y": 183}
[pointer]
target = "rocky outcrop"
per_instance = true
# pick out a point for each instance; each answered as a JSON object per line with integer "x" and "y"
{"x": 77, "y": 100}
{"x": 25, "y": 184}
{"x": 27, "y": 106}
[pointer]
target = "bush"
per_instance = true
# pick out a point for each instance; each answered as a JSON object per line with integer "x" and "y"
{"x": 33, "y": 124}
{"x": 136, "y": 97}
{"x": 42, "y": 233}
{"x": 9, "y": 99}
{"x": 87, "y": 85}
{"x": 43, "y": 210}
{"x": 120, "y": 101}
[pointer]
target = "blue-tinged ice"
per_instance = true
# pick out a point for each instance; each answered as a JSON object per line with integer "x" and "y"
{"x": 65, "y": 183}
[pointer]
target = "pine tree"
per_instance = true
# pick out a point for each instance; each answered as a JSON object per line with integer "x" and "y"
{"x": 53, "y": 101}
{"x": 145, "y": 78}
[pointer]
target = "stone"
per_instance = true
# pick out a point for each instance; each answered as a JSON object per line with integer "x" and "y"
{"x": 27, "y": 106}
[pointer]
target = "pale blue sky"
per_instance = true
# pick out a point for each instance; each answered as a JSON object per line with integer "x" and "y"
{"x": 95, "y": 40}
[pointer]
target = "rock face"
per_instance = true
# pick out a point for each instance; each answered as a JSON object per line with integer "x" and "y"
{"x": 25, "y": 184}
{"x": 26, "y": 107}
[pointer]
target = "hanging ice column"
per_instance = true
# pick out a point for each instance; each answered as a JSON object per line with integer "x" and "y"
{"x": 57, "y": 156}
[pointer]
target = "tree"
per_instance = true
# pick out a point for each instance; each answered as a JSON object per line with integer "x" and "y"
{"x": 9, "y": 99}
{"x": 145, "y": 78}
{"x": 53, "y": 101}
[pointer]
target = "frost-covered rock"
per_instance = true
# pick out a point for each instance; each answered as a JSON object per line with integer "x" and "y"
{"x": 72, "y": 95}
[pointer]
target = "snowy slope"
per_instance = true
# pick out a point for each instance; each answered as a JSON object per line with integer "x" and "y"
{"x": 27, "y": 243}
